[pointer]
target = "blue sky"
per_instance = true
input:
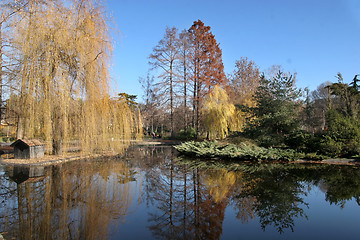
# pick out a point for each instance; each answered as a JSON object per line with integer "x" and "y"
{"x": 315, "y": 38}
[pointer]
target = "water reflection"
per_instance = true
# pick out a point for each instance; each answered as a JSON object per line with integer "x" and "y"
{"x": 26, "y": 174}
{"x": 73, "y": 201}
{"x": 275, "y": 192}
{"x": 93, "y": 199}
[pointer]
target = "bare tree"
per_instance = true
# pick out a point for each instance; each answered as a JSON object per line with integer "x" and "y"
{"x": 243, "y": 82}
{"x": 184, "y": 51}
{"x": 165, "y": 57}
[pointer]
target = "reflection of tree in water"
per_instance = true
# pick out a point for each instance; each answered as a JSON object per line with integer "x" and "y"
{"x": 274, "y": 195}
{"x": 242, "y": 202}
{"x": 274, "y": 192}
{"x": 73, "y": 201}
{"x": 168, "y": 188}
{"x": 189, "y": 205}
{"x": 217, "y": 186}
{"x": 278, "y": 199}
{"x": 340, "y": 184}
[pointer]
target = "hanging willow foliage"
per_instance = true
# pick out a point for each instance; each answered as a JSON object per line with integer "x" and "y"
{"x": 219, "y": 114}
{"x": 63, "y": 50}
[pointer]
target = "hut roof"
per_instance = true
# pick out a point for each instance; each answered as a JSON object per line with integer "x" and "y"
{"x": 29, "y": 142}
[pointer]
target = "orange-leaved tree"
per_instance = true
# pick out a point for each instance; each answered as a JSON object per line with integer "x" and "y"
{"x": 207, "y": 67}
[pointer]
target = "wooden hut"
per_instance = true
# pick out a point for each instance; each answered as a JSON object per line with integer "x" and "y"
{"x": 25, "y": 148}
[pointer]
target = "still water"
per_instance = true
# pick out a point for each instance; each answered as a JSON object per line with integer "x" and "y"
{"x": 150, "y": 193}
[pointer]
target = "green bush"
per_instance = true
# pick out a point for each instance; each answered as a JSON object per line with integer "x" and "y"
{"x": 342, "y": 138}
{"x": 303, "y": 141}
{"x": 249, "y": 152}
{"x": 270, "y": 140}
{"x": 238, "y": 138}
{"x": 330, "y": 146}
{"x": 298, "y": 139}
{"x": 189, "y": 134}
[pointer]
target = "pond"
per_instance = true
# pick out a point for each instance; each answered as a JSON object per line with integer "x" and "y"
{"x": 151, "y": 193}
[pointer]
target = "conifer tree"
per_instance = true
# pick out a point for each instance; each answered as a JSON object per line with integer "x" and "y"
{"x": 277, "y": 108}
{"x": 207, "y": 67}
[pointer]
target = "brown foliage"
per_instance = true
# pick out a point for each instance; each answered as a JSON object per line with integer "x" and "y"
{"x": 207, "y": 66}
{"x": 244, "y": 82}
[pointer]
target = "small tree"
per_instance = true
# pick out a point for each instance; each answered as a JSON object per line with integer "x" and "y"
{"x": 218, "y": 112}
{"x": 150, "y": 109}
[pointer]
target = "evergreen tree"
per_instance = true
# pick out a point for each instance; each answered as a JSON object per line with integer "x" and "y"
{"x": 276, "y": 112}
{"x": 349, "y": 96}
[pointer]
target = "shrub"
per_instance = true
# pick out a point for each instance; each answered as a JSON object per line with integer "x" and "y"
{"x": 189, "y": 134}
{"x": 303, "y": 141}
{"x": 209, "y": 149}
{"x": 342, "y": 137}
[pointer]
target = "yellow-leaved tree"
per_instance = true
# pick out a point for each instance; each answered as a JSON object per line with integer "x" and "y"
{"x": 220, "y": 114}
{"x": 62, "y": 50}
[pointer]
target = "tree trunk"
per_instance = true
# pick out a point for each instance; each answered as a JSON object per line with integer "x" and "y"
{"x": 194, "y": 98}
{"x": 185, "y": 110}
{"x": 57, "y": 133}
{"x": 20, "y": 128}
{"x": 57, "y": 146}
{"x": 197, "y": 107}
{"x": 1, "y": 73}
{"x": 171, "y": 101}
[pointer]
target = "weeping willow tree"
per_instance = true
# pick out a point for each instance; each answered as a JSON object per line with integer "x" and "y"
{"x": 220, "y": 115}
{"x": 63, "y": 49}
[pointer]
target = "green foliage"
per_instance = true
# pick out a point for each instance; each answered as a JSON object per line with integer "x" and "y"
{"x": 298, "y": 139}
{"x": 303, "y": 141}
{"x": 342, "y": 136}
{"x": 315, "y": 156}
{"x": 238, "y": 138}
{"x": 276, "y": 112}
{"x": 349, "y": 96}
{"x": 248, "y": 152}
{"x": 189, "y": 134}
{"x": 129, "y": 99}
{"x": 330, "y": 146}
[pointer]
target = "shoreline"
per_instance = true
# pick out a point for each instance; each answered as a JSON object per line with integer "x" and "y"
{"x": 49, "y": 160}
{"x": 332, "y": 161}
